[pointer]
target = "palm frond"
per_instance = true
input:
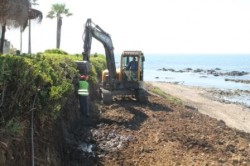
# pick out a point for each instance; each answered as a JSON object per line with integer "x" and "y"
{"x": 14, "y": 12}
{"x": 35, "y": 15}
{"x": 57, "y": 10}
{"x": 51, "y": 14}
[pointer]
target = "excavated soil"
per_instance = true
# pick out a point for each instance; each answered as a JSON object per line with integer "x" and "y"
{"x": 161, "y": 132}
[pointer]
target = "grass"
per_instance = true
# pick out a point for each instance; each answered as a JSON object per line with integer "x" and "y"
{"x": 166, "y": 96}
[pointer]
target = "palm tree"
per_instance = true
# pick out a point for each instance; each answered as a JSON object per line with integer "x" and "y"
{"x": 16, "y": 13}
{"x": 57, "y": 10}
{"x": 33, "y": 15}
{"x": 13, "y": 14}
{"x": 2, "y": 38}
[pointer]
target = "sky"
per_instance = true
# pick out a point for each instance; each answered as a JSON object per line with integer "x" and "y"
{"x": 159, "y": 26}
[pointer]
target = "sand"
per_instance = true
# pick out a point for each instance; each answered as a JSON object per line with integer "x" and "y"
{"x": 234, "y": 115}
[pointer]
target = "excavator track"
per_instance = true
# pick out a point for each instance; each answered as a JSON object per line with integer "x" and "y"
{"x": 142, "y": 96}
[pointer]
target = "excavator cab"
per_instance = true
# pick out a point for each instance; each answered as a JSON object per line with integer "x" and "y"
{"x": 132, "y": 64}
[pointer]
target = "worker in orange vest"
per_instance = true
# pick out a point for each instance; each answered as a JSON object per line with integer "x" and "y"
{"x": 83, "y": 93}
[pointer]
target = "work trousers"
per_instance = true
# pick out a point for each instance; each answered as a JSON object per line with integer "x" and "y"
{"x": 84, "y": 105}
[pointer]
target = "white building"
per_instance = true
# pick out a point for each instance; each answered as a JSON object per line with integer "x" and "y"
{"x": 7, "y": 44}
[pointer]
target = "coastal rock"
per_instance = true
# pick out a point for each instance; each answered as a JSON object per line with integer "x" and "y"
{"x": 198, "y": 70}
{"x": 164, "y": 69}
{"x": 172, "y": 70}
{"x": 210, "y": 71}
{"x": 215, "y": 72}
{"x": 238, "y": 81}
{"x": 236, "y": 73}
{"x": 232, "y": 73}
{"x": 168, "y": 77}
{"x": 231, "y": 96}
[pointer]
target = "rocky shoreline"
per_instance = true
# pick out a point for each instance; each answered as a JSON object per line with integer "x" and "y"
{"x": 230, "y": 96}
{"x": 238, "y": 81}
{"x": 227, "y": 96}
{"x": 215, "y": 72}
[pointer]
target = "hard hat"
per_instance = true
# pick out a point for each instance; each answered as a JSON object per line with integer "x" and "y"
{"x": 83, "y": 77}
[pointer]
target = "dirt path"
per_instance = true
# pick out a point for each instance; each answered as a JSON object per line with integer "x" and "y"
{"x": 165, "y": 132}
{"x": 233, "y": 115}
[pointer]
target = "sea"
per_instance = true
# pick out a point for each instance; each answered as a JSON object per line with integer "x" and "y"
{"x": 180, "y": 69}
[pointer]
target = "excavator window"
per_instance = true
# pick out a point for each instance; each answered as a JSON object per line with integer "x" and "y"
{"x": 125, "y": 61}
{"x": 130, "y": 67}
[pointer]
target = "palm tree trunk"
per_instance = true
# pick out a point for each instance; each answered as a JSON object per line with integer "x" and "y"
{"x": 58, "y": 33}
{"x": 29, "y": 46}
{"x": 2, "y": 38}
{"x": 21, "y": 40}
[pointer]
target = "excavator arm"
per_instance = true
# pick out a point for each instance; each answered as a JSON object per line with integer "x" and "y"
{"x": 92, "y": 30}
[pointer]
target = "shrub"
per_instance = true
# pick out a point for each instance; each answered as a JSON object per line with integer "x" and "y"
{"x": 21, "y": 77}
{"x": 52, "y": 76}
{"x": 56, "y": 51}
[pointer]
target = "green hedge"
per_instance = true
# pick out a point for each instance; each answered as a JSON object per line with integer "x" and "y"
{"x": 54, "y": 75}
{"x": 55, "y": 51}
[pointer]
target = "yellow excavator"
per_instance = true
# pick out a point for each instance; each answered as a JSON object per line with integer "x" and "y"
{"x": 122, "y": 81}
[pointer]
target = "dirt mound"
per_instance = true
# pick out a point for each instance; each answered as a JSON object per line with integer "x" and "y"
{"x": 160, "y": 133}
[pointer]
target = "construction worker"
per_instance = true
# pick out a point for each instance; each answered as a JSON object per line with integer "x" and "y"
{"x": 83, "y": 93}
{"x": 133, "y": 67}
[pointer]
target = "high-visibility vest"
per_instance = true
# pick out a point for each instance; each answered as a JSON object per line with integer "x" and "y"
{"x": 83, "y": 88}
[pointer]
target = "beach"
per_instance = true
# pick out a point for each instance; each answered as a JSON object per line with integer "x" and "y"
{"x": 203, "y": 100}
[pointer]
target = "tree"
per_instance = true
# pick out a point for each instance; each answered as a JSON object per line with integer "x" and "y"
{"x": 57, "y": 10}
{"x": 13, "y": 14}
{"x": 33, "y": 15}
{"x": 16, "y": 13}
